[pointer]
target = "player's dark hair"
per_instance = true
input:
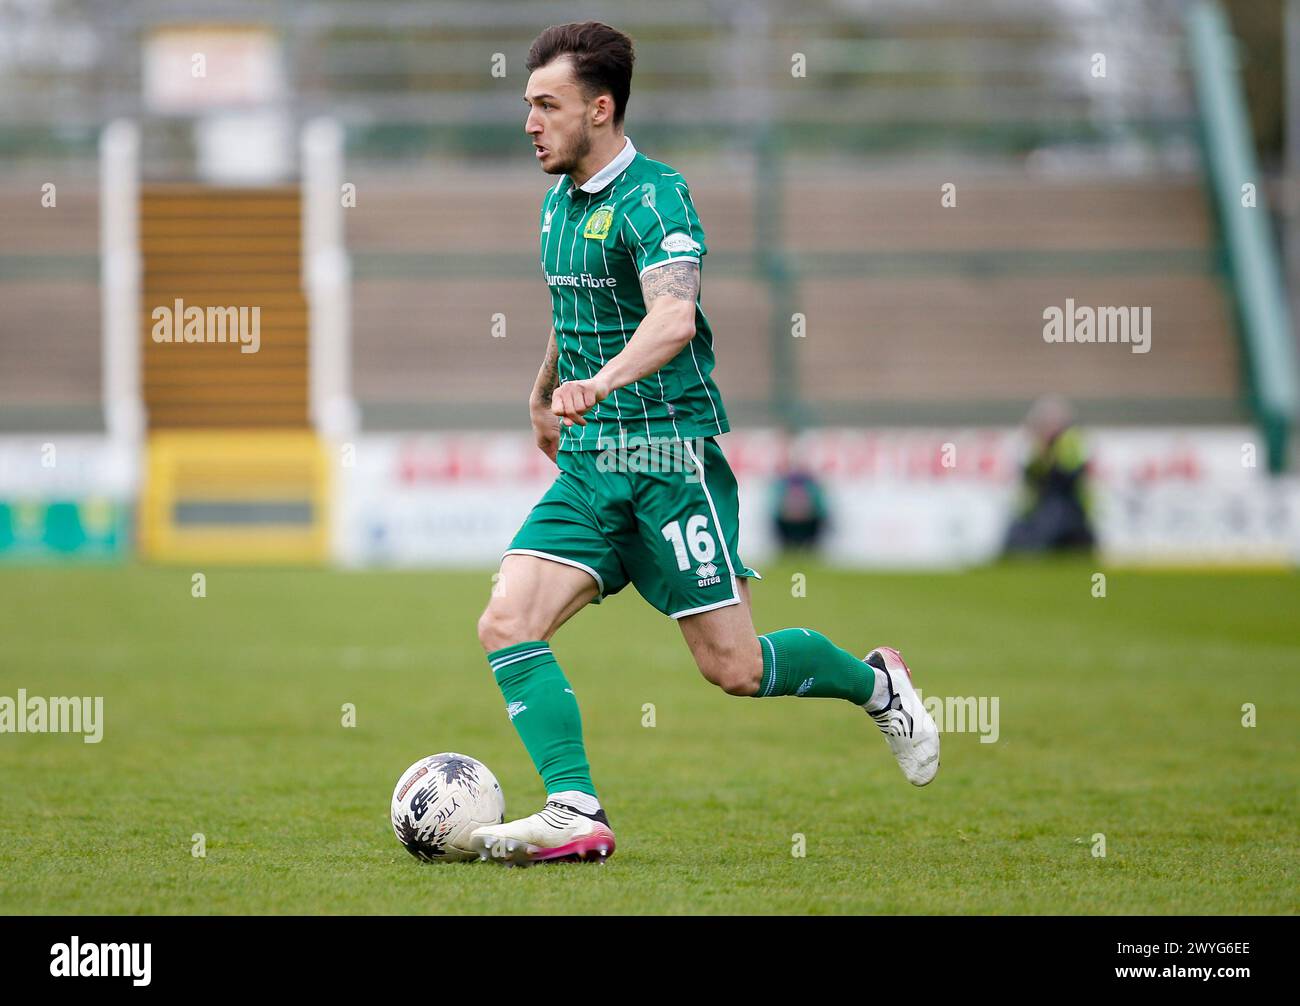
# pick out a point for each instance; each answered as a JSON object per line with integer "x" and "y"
{"x": 602, "y": 58}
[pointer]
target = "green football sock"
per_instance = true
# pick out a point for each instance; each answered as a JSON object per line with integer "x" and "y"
{"x": 805, "y": 663}
{"x": 544, "y": 710}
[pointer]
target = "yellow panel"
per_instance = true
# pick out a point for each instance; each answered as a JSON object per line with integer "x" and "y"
{"x": 222, "y": 467}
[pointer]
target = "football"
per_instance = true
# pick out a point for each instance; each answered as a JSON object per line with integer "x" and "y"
{"x": 439, "y": 801}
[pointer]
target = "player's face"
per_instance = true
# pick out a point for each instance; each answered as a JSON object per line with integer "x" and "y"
{"x": 557, "y": 119}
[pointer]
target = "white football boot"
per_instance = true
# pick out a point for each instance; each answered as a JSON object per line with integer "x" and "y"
{"x": 911, "y": 732}
{"x": 556, "y": 833}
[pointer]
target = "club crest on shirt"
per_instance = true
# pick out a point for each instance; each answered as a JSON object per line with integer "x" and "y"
{"x": 598, "y": 223}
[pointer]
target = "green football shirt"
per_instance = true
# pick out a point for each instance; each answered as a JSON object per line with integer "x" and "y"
{"x": 597, "y": 241}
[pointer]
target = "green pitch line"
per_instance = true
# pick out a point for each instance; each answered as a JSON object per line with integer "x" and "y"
{"x": 1118, "y": 717}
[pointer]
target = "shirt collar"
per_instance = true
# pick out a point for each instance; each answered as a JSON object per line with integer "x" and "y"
{"x": 611, "y": 170}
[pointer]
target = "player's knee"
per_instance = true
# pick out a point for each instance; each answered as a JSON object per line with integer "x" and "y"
{"x": 499, "y": 627}
{"x": 737, "y": 670}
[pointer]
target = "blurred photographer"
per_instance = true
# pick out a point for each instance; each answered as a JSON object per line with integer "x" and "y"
{"x": 1054, "y": 504}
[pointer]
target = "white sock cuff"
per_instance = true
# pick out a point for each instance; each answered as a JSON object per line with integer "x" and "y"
{"x": 584, "y": 802}
{"x": 879, "y": 693}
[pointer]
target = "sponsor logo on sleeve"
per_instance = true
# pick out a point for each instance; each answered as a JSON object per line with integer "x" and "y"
{"x": 680, "y": 242}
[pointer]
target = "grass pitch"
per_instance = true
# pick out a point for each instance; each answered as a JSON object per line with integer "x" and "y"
{"x": 1118, "y": 716}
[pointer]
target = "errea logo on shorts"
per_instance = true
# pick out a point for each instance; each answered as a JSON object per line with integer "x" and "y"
{"x": 708, "y": 574}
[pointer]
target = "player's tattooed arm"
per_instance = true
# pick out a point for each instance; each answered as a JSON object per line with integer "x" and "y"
{"x": 679, "y": 280}
{"x": 548, "y": 376}
{"x": 670, "y": 293}
{"x": 546, "y": 427}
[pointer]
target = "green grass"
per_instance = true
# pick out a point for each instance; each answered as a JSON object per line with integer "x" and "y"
{"x": 1119, "y": 716}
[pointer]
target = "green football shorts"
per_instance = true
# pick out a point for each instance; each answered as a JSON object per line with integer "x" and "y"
{"x": 644, "y": 515}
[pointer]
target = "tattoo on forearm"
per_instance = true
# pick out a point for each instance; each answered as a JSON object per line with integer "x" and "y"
{"x": 680, "y": 280}
{"x": 548, "y": 377}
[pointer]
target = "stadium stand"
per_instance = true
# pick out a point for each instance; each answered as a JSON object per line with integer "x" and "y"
{"x": 915, "y": 312}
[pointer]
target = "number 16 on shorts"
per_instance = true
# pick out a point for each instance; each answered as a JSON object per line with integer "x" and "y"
{"x": 696, "y": 543}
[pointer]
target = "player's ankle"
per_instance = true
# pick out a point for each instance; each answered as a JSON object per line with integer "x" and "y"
{"x": 585, "y": 803}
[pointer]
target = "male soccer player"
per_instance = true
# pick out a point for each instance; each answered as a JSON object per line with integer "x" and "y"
{"x": 628, "y": 366}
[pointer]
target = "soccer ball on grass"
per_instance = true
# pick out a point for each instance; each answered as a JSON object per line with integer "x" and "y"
{"x": 439, "y": 801}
